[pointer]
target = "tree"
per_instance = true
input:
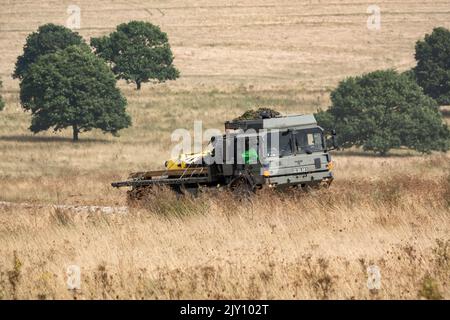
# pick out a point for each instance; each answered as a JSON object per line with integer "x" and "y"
{"x": 73, "y": 88}
{"x": 2, "y": 103}
{"x": 48, "y": 39}
{"x": 384, "y": 110}
{"x": 433, "y": 65}
{"x": 138, "y": 52}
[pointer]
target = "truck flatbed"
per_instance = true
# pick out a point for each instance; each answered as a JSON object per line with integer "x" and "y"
{"x": 166, "y": 177}
{"x": 167, "y": 181}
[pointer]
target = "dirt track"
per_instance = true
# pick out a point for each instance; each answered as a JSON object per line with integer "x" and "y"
{"x": 72, "y": 208}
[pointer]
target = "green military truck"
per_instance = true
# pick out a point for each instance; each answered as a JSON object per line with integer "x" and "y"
{"x": 277, "y": 152}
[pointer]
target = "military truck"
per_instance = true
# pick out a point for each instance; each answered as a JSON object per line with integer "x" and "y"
{"x": 279, "y": 152}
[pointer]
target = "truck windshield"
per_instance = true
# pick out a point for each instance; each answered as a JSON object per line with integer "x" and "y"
{"x": 294, "y": 142}
{"x": 309, "y": 140}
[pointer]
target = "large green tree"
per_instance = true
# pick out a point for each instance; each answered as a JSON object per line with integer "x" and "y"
{"x": 384, "y": 110}
{"x": 49, "y": 38}
{"x": 138, "y": 52}
{"x": 73, "y": 88}
{"x": 433, "y": 65}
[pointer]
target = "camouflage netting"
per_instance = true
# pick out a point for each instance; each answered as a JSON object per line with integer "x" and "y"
{"x": 260, "y": 113}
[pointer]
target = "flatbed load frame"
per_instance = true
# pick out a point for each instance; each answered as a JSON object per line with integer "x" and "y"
{"x": 195, "y": 175}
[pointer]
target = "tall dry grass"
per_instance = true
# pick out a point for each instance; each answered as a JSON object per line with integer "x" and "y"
{"x": 293, "y": 245}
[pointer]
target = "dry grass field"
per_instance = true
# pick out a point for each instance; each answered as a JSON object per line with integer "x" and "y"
{"x": 393, "y": 212}
{"x": 288, "y": 246}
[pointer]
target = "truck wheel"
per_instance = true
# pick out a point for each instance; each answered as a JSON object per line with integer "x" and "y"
{"x": 138, "y": 195}
{"x": 134, "y": 195}
{"x": 182, "y": 191}
{"x": 241, "y": 188}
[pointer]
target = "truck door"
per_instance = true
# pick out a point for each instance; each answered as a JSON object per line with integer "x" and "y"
{"x": 281, "y": 152}
{"x": 309, "y": 147}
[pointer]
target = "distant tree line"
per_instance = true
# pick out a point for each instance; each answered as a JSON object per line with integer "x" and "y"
{"x": 66, "y": 84}
{"x": 385, "y": 109}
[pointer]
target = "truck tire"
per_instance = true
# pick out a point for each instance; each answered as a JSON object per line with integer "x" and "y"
{"x": 241, "y": 188}
{"x": 135, "y": 195}
{"x": 183, "y": 191}
{"x": 138, "y": 195}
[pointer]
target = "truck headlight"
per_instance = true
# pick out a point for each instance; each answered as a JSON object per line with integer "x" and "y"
{"x": 330, "y": 165}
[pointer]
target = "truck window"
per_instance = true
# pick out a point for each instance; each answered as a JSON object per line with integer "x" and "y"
{"x": 310, "y": 139}
{"x": 284, "y": 146}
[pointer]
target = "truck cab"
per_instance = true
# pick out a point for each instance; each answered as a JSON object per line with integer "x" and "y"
{"x": 291, "y": 151}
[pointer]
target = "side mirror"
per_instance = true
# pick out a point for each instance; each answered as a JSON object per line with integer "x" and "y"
{"x": 333, "y": 143}
{"x": 333, "y": 135}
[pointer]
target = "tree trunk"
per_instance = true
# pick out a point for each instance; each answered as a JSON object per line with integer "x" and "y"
{"x": 75, "y": 132}
{"x": 138, "y": 84}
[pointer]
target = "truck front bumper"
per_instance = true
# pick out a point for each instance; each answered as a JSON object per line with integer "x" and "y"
{"x": 303, "y": 178}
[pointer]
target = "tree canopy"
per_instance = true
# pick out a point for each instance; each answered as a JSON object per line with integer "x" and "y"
{"x": 73, "y": 88}
{"x": 138, "y": 52}
{"x": 384, "y": 110}
{"x": 433, "y": 65}
{"x": 49, "y": 38}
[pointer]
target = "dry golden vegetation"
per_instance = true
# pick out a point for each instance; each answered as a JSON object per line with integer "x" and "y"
{"x": 392, "y": 212}
{"x": 294, "y": 245}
